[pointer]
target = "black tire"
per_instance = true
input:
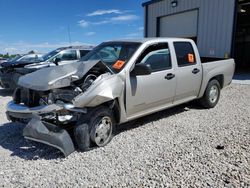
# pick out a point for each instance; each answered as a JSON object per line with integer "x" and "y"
{"x": 206, "y": 101}
{"x": 86, "y": 131}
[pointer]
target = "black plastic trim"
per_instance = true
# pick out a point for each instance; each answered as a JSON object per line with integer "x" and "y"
{"x": 232, "y": 53}
{"x": 150, "y": 2}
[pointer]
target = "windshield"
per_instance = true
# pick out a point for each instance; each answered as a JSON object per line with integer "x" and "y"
{"x": 14, "y": 58}
{"x": 115, "y": 55}
{"x": 50, "y": 55}
{"x": 29, "y": 58}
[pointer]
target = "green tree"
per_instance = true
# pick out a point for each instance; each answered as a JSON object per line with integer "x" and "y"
{"x": 6, "y": 55}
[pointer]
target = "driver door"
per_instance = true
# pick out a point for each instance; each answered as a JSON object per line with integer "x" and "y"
{"x": 148, "y": 93}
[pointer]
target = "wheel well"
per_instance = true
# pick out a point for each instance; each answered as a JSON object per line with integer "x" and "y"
{"x": 220, "y": 79}
{"x": 114, "y": 106}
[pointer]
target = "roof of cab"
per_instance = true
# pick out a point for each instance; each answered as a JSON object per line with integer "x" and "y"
{"x": 144, "y": 40}
{"x": 77, "y": 47}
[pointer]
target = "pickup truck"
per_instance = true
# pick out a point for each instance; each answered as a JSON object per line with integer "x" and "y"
{"x": 80, "y": 105}
{"x": 11, "y": 71}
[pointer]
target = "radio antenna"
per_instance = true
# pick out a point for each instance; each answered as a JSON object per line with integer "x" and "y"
{"x": 69, "y": 34}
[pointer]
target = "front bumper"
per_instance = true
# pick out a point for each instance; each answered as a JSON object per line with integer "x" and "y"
{"x": 49, "y": 134}
{"x": 24, "y": 112}
{"x": 38, "y": 130}
{"x": 41, "y": 131}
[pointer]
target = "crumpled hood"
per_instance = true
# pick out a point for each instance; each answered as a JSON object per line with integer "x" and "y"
{"x": 56, "y": 77}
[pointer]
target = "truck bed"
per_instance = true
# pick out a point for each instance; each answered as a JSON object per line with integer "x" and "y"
{"x": 224, "y": 68}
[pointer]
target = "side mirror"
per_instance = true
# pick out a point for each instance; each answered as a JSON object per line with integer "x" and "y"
{"x": 57, "y": 60}
{"x": 141, "y": 69}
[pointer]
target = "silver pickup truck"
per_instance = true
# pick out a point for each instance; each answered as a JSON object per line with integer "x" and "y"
{"x": 80, "y": 105}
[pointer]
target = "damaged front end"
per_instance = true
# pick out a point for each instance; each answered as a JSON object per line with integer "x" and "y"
{"x": 52, "y": 105}
{"x": 48, "y": 121}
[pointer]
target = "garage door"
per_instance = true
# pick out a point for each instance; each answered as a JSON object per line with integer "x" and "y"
{"x": 179, "y": 25}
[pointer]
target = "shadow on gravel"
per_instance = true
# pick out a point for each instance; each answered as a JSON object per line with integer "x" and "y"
{"x": 157, "y": 116}
{"x": 11, "y": 135}
{"x": 11, "y": 139}
{"x": 6, "y": 92}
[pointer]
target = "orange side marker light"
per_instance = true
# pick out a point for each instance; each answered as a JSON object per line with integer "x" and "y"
{"x": 191, "y": 58}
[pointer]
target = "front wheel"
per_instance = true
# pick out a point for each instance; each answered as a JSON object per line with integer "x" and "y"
{"x": 211, "y": 95}
{"x": 96, "y": 128}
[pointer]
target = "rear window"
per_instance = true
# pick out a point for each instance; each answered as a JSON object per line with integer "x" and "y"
{"x": 185, "y": 54}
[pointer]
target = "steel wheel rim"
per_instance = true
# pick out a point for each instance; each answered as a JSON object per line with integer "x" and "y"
{"x": 213, "y": 94}
{"x": 103, "y": 131}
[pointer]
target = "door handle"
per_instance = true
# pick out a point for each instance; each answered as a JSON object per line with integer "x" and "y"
{"x": 169, "y": 76}
{"x": 195, "y": 71}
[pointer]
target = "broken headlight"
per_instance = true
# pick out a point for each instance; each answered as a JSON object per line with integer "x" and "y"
{"x": 47, "y": 99}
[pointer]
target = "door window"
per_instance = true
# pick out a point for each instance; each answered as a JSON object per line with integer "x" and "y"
{"x": 157, "y": 56}
{"x": 83, "y": 53}
{"x": 68, "y": 55}
{"x": 184, "y": 53}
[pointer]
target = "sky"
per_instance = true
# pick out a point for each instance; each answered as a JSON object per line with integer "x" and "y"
{"x": 44, "y": 25}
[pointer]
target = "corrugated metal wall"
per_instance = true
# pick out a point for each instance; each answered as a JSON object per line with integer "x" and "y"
{"x": 215, "y": 22}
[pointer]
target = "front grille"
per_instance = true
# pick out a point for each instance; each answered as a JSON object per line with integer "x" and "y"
{"x": 27, "y": 97}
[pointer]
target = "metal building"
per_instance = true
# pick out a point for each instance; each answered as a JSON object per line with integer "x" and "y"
{"x": 219, "y": 27}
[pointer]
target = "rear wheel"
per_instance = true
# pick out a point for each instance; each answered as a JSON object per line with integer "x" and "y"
{"x": 211, "y": 95}
{"x": 96, "y": 128}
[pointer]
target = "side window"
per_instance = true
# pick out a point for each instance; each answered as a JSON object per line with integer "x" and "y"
{"x": 185, "y": 54}
{"x": 83, "y": 53}
{"x": 69, "y": 55}
{"x": 157, "y": 56}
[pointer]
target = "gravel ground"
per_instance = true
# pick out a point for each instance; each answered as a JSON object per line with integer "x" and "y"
{"x": 181, "y": 147}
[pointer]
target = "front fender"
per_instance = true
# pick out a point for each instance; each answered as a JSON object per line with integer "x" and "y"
{"x": 104, "y": 89}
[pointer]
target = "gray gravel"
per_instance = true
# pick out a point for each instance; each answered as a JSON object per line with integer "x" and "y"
{"x": 184, "y": 146}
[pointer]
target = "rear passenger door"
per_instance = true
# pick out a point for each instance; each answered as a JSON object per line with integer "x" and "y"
{"x": 188, "y": 72}
{"x": 148, "y": 93}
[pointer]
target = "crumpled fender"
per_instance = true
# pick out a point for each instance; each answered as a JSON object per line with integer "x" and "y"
{"x": 106, "y": 87}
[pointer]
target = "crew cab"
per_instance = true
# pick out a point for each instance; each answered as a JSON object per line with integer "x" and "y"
{"x": 116, "y": 82}
{"x": 11, "y": 71}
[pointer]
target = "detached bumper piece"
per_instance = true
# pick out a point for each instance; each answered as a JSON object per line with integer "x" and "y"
{"x": 49, "y": 134}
